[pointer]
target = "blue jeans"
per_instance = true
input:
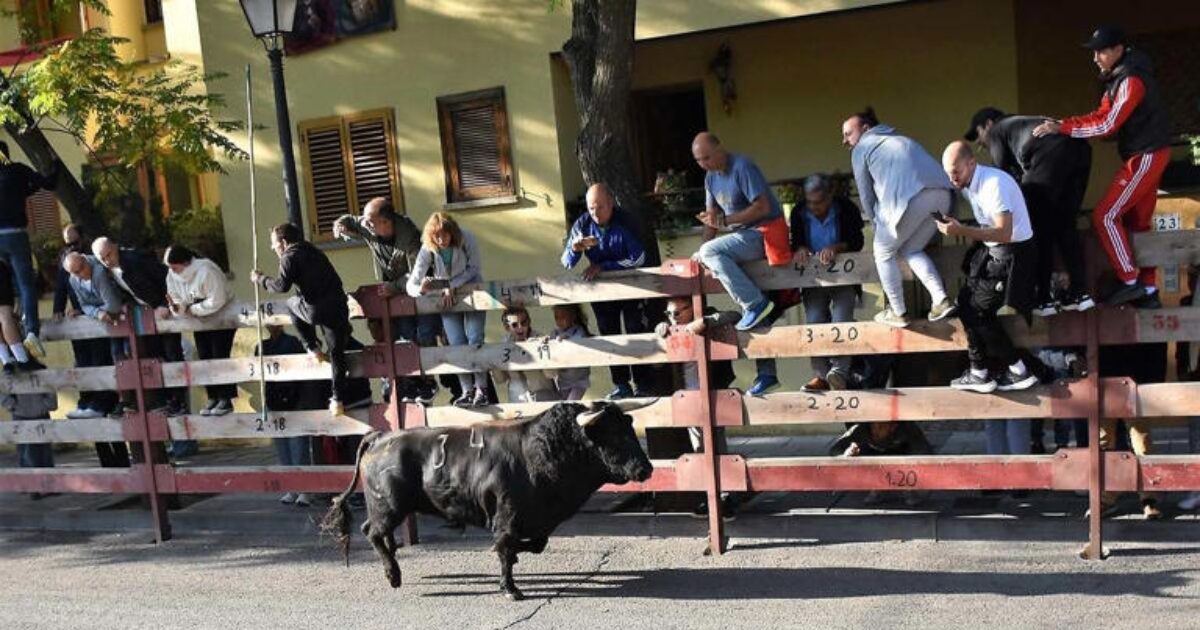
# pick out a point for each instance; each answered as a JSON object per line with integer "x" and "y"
{"x": 829, "y": 305}
{"x": 15, "y": 250}
{"x": 467, "y": 329}
{"x": 1194, "y": 435}
{"x": 1007, "y": 437}
{"x": 294, "y": 451}
{"x": 421, "y": 329}
{"x": 724, "y": 256}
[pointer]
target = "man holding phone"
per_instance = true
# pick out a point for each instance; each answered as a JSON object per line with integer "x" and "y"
{"x": 606, "y": 237}
{"x": 999, "y": 271}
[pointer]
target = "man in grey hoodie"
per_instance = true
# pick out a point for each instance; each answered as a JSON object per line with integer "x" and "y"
{"x": 900, "y": 185}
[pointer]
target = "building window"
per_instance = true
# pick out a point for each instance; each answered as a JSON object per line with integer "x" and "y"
{"x": 153, "y": 11}
{"x": 475, "y": 146}
{"x": 40, "y": 22}
{"x": 42, "y": 210}
{"x": 348, "y": 160}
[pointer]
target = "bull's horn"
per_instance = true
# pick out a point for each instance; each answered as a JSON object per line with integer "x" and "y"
{"x": 586, "y": 418}
{"x": 630, "y": 406}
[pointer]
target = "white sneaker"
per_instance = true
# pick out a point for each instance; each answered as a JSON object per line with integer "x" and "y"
{"x": 34, "y": 346}
{"x": 288, "y": 498}
{"x": 83, "y": 413}
{"x": 303, "y": 500}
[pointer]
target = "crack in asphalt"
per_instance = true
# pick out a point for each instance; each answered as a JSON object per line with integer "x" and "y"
{"x": 546, "y": 602}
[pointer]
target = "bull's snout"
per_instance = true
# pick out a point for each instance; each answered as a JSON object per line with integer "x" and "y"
{"x": 642, "y": 471}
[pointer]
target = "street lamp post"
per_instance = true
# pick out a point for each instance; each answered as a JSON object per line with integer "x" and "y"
{"x": 269, "y": 20}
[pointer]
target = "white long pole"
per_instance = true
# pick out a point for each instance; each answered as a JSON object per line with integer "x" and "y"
{"x": 258, "y": 314}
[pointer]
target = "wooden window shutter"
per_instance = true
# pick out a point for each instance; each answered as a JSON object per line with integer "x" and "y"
{"x": 348, "y": 160}
{"x": 475, "y": 145}
{"x": 42, "y": 209}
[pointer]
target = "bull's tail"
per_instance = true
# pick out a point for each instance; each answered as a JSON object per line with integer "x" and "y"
{"x": 336, "y": 522}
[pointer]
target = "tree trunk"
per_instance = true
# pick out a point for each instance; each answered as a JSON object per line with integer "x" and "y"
{"x": 69, "y": 191}
{"x": 599, "y": 55}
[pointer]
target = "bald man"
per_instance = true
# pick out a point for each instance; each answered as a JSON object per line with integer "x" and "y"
{"x": 738, "y": 200}
{"x": 394, "y": 241}
{"x": 999, "y": 271}
{"x": 605, "y": 235}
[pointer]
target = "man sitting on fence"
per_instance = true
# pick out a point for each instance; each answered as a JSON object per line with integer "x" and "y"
{"x": 999, "y": 270}
{"x": 394, "y": 241}
{"x": 823, "y": 227}
{"x": 739, "y": 200}
{"x": 321, "y": 302}
{"x": 606, "y": 237}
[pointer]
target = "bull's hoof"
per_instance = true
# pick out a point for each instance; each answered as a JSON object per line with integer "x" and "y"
{"x": 394, "y": 578}
{"x": 513, "y": 593}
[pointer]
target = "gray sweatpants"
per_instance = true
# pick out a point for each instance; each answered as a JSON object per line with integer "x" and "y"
{"x": 908, "y": 241}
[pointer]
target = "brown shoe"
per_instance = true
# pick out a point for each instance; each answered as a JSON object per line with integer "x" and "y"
{"x": 817, "y": 384}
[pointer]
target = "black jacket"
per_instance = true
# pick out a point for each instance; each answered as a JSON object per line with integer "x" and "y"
{"x": 906, "y": 439}
{"x": 1016, "y": 151}
{"x": 1147, "y": 129}
{"x": 145, "y": 274}
{"x": 17, "y": 183}
{"x": 850, "y": 225}
{"x": 62, "y": 281}
{"x": 309, "y": 269}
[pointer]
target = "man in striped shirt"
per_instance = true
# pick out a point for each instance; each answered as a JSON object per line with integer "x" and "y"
{"x": 1132, "y": 109}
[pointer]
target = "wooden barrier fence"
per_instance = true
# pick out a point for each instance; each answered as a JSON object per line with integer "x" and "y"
{"x": 1071, "y": 469}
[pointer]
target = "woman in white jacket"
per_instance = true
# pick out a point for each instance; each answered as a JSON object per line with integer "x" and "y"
{"x": 197, "y": 287}
{"x": 450, "y": 259}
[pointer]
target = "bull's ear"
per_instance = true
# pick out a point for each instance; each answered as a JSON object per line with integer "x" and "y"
{"x": 588, "y": 417}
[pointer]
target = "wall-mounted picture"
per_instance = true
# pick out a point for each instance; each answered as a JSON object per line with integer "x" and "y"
{"x": 320, "y": 23}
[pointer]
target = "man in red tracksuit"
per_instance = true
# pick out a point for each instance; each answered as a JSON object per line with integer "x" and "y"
{"x": 1131, "y": 108}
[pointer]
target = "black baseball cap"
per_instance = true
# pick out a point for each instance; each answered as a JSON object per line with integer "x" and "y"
{"x": 982, "y": 116}
{"x": 1105, "y": 36}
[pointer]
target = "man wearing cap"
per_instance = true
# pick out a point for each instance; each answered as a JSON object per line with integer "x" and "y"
{"x": 1053, "y": 172}
{"x": 1132, "y": 109}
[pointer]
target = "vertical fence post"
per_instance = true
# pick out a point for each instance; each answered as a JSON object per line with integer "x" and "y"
{"x": 150, "y": 457}
{"x": 712, "y": 459}
{"x": 1094, "y": 551}
{"x": 397, "y": 409}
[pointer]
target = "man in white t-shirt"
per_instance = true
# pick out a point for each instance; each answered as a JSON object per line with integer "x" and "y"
{"x": 999, "y": 270}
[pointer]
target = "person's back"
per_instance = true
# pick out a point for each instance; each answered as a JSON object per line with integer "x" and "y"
{"x": 17, "y": 183}
{"x": 900, "y": 169}
{"x": 313, "y": 274}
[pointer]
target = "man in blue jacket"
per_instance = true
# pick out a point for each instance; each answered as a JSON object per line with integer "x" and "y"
{"x": 605, "y": 236}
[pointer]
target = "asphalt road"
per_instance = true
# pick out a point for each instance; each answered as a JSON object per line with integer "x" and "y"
{"x": 61, "y": 581}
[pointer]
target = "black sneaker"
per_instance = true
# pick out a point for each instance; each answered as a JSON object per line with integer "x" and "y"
{"x": 1149, "y": 302}
{"x": 480, "y": 399}
{"x": 33, "y": 365}
{"x": 426, "y": 391}
{"x": 1047, "y": 309}
{"x": 464, "y": 400}
{"x": 1011, "y": 381}
{"x": 1126, "y": 293}
{"x": 970, "y": 382}
{"x": 1077, "y": 302}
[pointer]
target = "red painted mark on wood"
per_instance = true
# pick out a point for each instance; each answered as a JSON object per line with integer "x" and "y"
{"x": 894, "y": 406}
{"x": 187, "y": 373}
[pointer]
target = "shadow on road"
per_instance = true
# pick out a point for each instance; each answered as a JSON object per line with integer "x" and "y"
{"x": 818, "y": 583}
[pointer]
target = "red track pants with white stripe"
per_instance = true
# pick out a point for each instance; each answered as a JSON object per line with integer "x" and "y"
{"x": 1128, "y": 205}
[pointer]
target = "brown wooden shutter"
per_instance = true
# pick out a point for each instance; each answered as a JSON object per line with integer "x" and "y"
{"x": 475, "y": 145}
{"x": 348, "y": 160}
{"x": 42, "y": 209}
{"x": 370, "y": 141}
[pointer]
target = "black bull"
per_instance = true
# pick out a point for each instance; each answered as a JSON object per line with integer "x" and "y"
{"x": 518, "y": 479}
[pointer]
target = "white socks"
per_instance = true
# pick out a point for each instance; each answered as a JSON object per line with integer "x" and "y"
{"x": 17, "y": 351}
{"x": 6, "y": 356}
{"x": 1018, "y": 367}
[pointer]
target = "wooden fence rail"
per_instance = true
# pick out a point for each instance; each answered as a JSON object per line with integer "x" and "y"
{"x": 707, "y": 409}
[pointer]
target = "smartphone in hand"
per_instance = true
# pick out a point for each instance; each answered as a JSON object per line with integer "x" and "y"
{"x": 939, "y": 217}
